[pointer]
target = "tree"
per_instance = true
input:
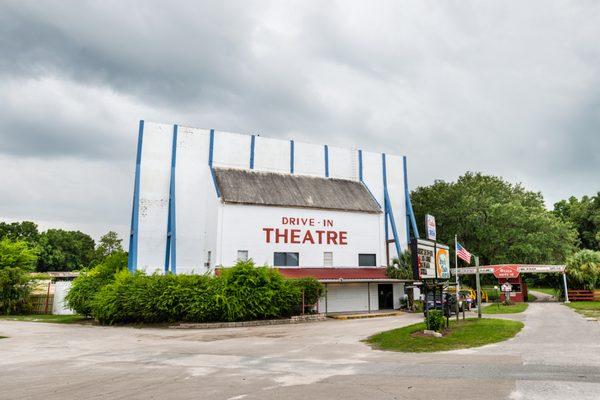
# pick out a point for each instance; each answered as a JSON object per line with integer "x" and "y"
{"x": 583, "y": 269}
{"x": 62, "y": 250}
{"x": 16, "y": 260}
{"x": 17, "y": 254}
{"x": 401, "y": 267}
{"x": 108, "y": 244}
{"x": 500, "y": 222}
{"x": 584, "y": 214}
{"x": 25, "y": 230}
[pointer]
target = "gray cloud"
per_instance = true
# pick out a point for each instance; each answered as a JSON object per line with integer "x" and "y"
{"x": 506, "y": 88}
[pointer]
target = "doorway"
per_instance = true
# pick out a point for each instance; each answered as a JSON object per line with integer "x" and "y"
{"x": 385, "y": 292}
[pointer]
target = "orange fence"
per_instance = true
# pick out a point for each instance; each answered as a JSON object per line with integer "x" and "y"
{"x": 584, "y": 295}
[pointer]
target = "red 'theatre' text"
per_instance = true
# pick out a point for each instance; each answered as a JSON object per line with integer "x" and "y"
{"x": 298, "y": 236}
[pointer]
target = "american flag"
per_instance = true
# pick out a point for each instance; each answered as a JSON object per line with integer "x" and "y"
{"x": 462, "y": 253}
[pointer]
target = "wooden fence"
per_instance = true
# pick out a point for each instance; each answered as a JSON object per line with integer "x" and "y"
{"x": 584, "y": 295}
{"x": 42, "y": 303}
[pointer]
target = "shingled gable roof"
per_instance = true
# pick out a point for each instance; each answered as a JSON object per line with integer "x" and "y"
{"x": 288, "y": 190}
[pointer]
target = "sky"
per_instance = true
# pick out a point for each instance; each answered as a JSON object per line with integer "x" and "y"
{"x": 508, "y": 88}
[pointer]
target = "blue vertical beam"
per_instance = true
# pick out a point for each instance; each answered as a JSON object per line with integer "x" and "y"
{"x": 291, "y": 156}
{"x": 389, "y": 212}
{"x": 410, "y": 215}
{"x": 326, "y": 150}
{"x": 252, "y": 144}
{"x": 133, "y": 234}
{"x": 171, "y": 250}
{"x": 360, "y": 166}
{"x": 211, "y": 147}
{"x": 393, "y": 224}
{"x": 385, "y": 198}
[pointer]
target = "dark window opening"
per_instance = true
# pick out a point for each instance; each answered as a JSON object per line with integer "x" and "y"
{"x": 286, "y": 259}
{"x": 367, "y": 260}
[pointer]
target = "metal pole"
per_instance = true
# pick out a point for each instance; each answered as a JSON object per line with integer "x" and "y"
{"x": 566, "y": 290}
{"x": 369, "y": 296}
{"x": 326, "y": 295}
{"x": 426, "y": 306}
{"x": 457, "y": 281}
{"x": 478, "y": 287}
{"x": 47, "y": 298}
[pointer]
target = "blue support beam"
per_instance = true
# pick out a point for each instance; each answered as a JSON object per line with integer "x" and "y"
{"x": 291, "y": 156}
{"x": 388, "y": 210}
{"x": 171, "y": 250}
{"x": 252, "y": 144}
{"x": 326, "y": 150}
{"x": 133, "y": 234}
{"x": 410, "y": 215}
{"x": 385, "y": 199}
{"x": 360, "y": 166}
{"x": 390, "y": 213}
{"x": 211, "y": 147}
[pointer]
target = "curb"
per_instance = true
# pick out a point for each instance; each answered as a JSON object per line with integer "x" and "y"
{"x": 297, "y": 319}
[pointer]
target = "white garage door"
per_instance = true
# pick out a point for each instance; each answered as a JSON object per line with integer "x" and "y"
{"x": 346, "y": 297}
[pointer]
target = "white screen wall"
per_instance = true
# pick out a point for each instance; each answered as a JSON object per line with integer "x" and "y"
{"x": 200, "y": 225}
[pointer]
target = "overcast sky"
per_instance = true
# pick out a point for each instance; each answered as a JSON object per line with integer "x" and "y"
{"x": 510, "y": 88}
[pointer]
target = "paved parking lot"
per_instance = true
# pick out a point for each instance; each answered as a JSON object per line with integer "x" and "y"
{"x": 556, "y": 356}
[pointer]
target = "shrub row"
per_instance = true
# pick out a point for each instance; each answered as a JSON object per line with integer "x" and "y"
{"x": 243, "y": 292}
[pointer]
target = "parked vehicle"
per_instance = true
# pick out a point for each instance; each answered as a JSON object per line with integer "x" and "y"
{"x": 446, "y": 303}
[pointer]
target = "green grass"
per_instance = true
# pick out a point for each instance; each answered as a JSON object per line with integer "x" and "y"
{"x": 530, "y": 297}
{"x": 58, "y": 319}
{"x": 471, "y": 332}
{"x": 586, "y": 308}
{"x": 503, "y": 309}
{"x": 548, "y": 291}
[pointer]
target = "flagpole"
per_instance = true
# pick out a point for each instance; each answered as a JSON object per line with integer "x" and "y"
{"x": 457, "y": 281}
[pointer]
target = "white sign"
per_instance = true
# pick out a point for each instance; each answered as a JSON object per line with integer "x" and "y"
{"x": 426, "y": 259}
{"x": 430, "y": 227}
{"x": 522, "y": 268}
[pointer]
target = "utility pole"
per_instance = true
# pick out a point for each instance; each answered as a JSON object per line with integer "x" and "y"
{"x": 457, "y": 281}
{"x": 478, "y": 287}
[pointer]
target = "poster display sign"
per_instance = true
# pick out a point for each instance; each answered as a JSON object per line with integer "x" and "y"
{"x": 430, "y": 227}
{"x": 442, "y": 261}
{"x": 423, "y": 253}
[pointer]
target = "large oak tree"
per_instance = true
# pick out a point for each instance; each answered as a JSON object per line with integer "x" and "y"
{"x": 499, "y": 221}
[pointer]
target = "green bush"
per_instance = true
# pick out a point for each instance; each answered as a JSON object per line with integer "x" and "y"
{"x": 583, "y": 270}
{"x": 88, "y": 283}
{"x": 17, "y": 258}
{"x": 243, "y": 292}
{"x": 14, "y": 291}
{"x": 435, "y": 320}
{"x": 312, "y": 288}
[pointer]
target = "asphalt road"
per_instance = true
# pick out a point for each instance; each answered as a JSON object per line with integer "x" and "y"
{"x": 556, "y": 356}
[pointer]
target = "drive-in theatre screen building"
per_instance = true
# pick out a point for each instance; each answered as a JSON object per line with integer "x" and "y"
{"x": 205, "y": 199}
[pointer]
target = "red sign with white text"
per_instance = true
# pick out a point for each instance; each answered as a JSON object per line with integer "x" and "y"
{"x": 506, "y": 271}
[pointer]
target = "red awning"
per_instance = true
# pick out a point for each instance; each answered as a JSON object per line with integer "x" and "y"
{"x": 336, "y": 274}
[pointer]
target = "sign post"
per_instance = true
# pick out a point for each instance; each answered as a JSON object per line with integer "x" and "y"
{"x": 478, "y": 287}
{"x": 566, "y": 289}
{"x": 506, "y": 289}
